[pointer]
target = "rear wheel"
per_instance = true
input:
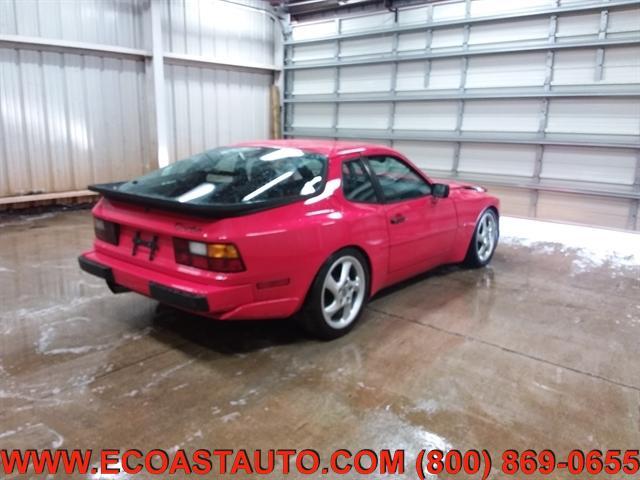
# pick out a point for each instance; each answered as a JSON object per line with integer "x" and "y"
{"x": 338, "y": 295}
{"x": 484, "y": 241}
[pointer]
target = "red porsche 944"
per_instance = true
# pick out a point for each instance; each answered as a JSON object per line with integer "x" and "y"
{"x": 269, "y": 229}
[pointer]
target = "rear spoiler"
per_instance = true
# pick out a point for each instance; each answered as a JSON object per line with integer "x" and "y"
{"x": 214, "y": 210}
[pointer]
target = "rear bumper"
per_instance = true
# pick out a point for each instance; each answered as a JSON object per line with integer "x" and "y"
{"x": 162, "y": 293}
{"x": 95, "y": 268}
{"x": 179, "y": 298}
{"x": 221, "y": 302}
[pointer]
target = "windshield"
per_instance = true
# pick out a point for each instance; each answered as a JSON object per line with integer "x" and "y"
{"x": 232, "y": 175}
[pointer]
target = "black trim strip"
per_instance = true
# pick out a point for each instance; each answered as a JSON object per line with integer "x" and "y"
{"x": 178, "y": 298}
{"x": 95, "y": 268}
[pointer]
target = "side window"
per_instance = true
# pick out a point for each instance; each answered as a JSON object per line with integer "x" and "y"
{"x": 397, "y": 180}
{"x": 356, "y": 183}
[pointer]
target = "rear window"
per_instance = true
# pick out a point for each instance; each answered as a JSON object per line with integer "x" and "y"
{"x": 235, "y": 175}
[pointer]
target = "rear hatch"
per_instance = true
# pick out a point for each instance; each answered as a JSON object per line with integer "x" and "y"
{"x": 160, "y": 217}
{"x": 144, "y": 236}
{"x": 226, "y": 182}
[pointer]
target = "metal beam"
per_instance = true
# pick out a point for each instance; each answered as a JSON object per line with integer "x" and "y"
{"x": 45, "y": 197}
{"x": 457, "y": 95}
{"x": 68, "y": 46}
{"x": 491, "y": 137}
{"x": 84, "y": 48}
{"x": 466, "y": 21}
{"x": 467, "y": 53}
{"x": 159, "y": 98}
{"x": 198, "y": 61}
{"x": 527, "y": 184}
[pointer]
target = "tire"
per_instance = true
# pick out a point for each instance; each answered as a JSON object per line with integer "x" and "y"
{"x": 484, "y": 240}
{"x": 337, "y": 296}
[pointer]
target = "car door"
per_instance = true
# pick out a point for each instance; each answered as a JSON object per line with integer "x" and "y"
{"x": 421, "y": 227}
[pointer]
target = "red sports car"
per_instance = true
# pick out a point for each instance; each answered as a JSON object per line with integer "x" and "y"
{"x": 268, "y": 229}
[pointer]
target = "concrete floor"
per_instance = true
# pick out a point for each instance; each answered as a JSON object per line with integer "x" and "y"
{"x": 529, "y": 353}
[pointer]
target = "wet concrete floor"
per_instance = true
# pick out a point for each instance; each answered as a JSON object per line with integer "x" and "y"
{"x": 531, "y": 352}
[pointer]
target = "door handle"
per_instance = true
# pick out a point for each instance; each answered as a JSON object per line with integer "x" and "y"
{"x": 397, "y": 218}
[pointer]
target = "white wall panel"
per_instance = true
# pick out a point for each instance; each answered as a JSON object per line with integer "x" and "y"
{"x": 315, "y": 51}
{"x": 219, "y": 29}
{"x": 623, "y": 21}
{"x": 369, "y": 78}
{"x": 366, "y": 140}
{"x": 69, "y": 120}
{"x": 316, "y": 81}
{"x": 313, "y": 30}
{"x": 438, "y": 116}
{"x": 111, "y": 22}
{"x": 482, "y": 8}
{"x": 377, "y": 20}
{"x": 622, "y": 65}
{"x": 574, "y": 67}
{"x": 589, "y": 164}
{"x": 448, "y": 11}
{"x": 502, "y": 116}
{"x": 313, "y": 115}
{"x": 447, "y": 38}
{"x": 513, "y": 201}
{"x": 597, "y": 116}
{"x": 524, "y": 30}
{"x": 362, "y": 116}
{"x": 497, "y": 159}
{"x": 212, "y": 107}
{"x": 411, "y": 76}
{"x": 608, "y": 212}
{"x": 432, "y": 156}
{"x": 411, "y": 16}
{"x": 445, "y": 74}
{"x": 440, "y": 75}
{"x": 412, "y": 41}
{"x": 587, "y": 24}
{"x": 513, "y": 70}
{"x": 366, "y": 46}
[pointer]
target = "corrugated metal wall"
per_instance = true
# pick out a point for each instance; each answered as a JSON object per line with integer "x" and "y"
{"x": 213, "y": 106}
{"x": 544, "y": 107}
{"x": 108, "y": 22}
{"x": 71, "y": 119}
{"x": 210, "y": 107}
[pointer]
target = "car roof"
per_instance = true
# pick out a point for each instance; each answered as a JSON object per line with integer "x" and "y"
{"x": 322, "y": 146}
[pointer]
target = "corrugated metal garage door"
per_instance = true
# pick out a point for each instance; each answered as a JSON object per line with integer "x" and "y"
{"x": 538, "y": 99}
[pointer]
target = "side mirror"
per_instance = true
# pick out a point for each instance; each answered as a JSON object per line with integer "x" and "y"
{"x": 440, "y": 190}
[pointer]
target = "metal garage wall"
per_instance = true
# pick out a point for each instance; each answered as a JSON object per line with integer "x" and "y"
{"x": 67, "y": 120}
{"x": 539, "y": 99}
{"x": 210, "y": 106}
{"x": 76, "y": 90}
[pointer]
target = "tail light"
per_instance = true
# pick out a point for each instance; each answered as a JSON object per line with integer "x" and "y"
{"x": 106, "y": 231}
{"x": 217, "y": 257}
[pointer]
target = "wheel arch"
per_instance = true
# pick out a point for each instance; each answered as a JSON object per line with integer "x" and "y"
{"x": 367, "y": 259}
{"x": 353, "y": 246}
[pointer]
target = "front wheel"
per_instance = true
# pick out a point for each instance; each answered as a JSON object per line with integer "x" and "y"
{"x": 338, "y": 295}
{"x": 484, "y": 241}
